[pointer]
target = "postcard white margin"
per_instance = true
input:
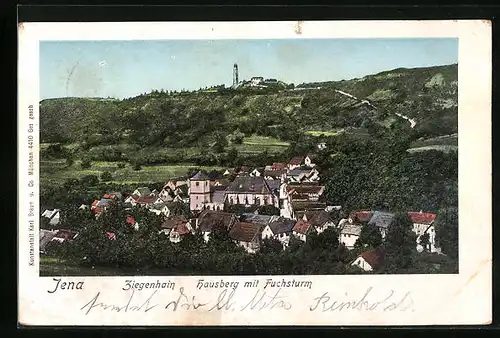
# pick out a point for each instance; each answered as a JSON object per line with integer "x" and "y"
{"x": 464, "y": 298}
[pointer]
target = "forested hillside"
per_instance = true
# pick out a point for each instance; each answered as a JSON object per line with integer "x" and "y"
{"x": 427, "y": 95}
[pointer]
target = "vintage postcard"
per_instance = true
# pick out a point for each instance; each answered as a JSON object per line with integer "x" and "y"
{"x": 255, "y": 173}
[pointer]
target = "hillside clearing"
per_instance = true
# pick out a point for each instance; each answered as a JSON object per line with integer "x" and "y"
{"x": 55, "y": 172}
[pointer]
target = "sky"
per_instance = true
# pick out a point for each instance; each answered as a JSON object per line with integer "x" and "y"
{"x": 122, "y": 69}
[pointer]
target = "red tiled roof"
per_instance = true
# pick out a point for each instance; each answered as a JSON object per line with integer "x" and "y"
{"x": 95, "y": 203}
{"x": 146, "y": 199}
{"x": 182, "y": 229}
{"x": 305, "y": 189}
{"x": 244, "y": 231}
{"x": 278, "y": 166}
{"x": 110, "y": 235}
{"x": 296, "y": 160}
{"x": 362, "y": 216}
{"x": 97, "y": 210}
{"x": 374, "y": 257}
{"x": 131, "y": 220}
{"x": 422, "y": 217}
{"x": 111, "y": 196}
{"x": 301, "y": 227}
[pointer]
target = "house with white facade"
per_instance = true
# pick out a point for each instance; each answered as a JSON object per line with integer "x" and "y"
{"x": 319, "y": 219}
{"x": 423, "y": 223}
{"x": 301, "y": 229}
{"x": 256, "y": 80}
{"x": 280, "y": 229}
{"x": 256, "y": 172}
{"x": 350, "y": 234}
{"x": 164, "y": 208}
{"x": 299, "y": 161}
{"x": 382, "y": 220}
{"x": 142, "y": 191}
{"x": 246, "y": 235}
{"x": 53, "y": 215}
{"x": 370, "y": 260}
{"x": 176, "y": 227}
{"x": 209, "y": 220}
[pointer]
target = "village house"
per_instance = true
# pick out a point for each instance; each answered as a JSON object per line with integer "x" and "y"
{"x": 161, "y": 208}
{"x": 230, "y": 172}
{"x": 110, "y": 235}
{"x": 113, "y": 195}
{"x": 280, "y": 228}
{"x": 53, "y": 215}
{"x": 320, "y": 220}
{"x": 301, "y": 174}
{"x": 222, "y": 182}
{"x": 300, "y": 161}
{"x": 305, "y": 192}
{"x": 243, "y": 171}
{"x": 64, "y": 235}
{"x": 277, "y": 175}
{"x": 145, "y": 201}
{"x": 142, "y": 191}
{"x": 370, "y": 260}
{"x": 423, "y": 222}
{"x": 131, "y": 200}
{"x": 301, "y": 229}
{"x": 350, "y": 234}
{"x": 256, "y": 172}
{"x": 257, "y": 219}
{"x": 382, "y": 220}
{"x": 166, "y": 194}
{"x": 321, "y": 146}
{"x": 250, "y": 191}
{"x": 130, "y": 220}
{"x": 361, "y": 217}
{"x": 210, "y": 219}
{"x": 182, "y": 192}
{"x": 300, "y": 207}
{"x": 256, "y": 80}
{"x": 44, "y": 238}
{"x": 278, "y": 166}
{"x": 176, "y": 227}
{"x": 176, "y": 182}
{"x": 246, "y": 235}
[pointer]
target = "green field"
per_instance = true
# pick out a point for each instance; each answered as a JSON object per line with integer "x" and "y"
{"x": 256, "y": 144}
{"x": 56, "y": 171}
{"x": 442, "y": 143}
{"x": 333, "y": 132}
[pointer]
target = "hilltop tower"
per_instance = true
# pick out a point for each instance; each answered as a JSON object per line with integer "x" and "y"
{"x": 235, "y": 74}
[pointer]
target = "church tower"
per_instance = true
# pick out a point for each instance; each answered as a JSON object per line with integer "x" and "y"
{"x": 235, "y": 74}
{"x": 199, "y": 191}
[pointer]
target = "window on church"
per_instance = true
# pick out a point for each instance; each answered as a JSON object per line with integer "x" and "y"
{"x": 197, "y": 184}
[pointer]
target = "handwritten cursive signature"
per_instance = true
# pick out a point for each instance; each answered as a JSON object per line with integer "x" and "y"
{"x": 129, "y": 306}
{"x": 266, "y": 301}
{"x": 184, "y": 302}
{"x": 325, "y": 303}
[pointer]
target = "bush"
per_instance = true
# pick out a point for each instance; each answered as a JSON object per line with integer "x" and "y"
{"x": 121, "y": 165}
{"x": 106, "y": 176}
{"x": 86, "y": 163}
{"x": 136, "y": 166}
